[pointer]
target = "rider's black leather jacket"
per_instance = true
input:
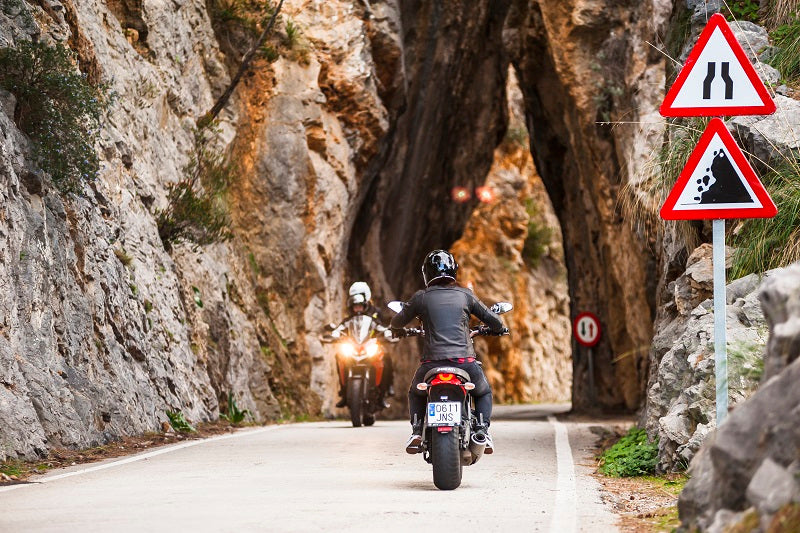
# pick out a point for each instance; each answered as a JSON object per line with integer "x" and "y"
{"x": 445, "y": 311}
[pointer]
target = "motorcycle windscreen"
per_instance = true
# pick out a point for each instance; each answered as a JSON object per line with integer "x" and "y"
{"x": 360, "y": 328}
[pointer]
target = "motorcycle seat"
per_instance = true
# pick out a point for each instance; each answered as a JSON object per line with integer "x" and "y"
{"x": 461, "y": 373}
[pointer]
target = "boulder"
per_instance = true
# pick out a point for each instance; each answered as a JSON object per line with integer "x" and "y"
{"x": 748, "y": 466}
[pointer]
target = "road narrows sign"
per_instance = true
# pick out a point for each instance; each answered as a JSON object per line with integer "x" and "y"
{"x": 717, "y": 79}
{"x": 586, "y": 328}
{"x": 717, "y": 182}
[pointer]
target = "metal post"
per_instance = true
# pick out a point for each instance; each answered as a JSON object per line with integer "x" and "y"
{"x": 591, "y": 376}
{"x": 720, "y": 352}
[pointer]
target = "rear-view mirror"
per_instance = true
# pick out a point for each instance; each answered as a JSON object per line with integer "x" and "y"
{"x": 395, "y": 306}
{"x": 501, "y": 307}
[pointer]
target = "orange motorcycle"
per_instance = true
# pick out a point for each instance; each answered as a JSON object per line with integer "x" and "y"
{"x": 359, "y": 359}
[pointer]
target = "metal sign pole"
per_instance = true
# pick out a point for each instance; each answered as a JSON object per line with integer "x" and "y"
{"x": 720, "y": 351}
{"x": 591, "y": 376}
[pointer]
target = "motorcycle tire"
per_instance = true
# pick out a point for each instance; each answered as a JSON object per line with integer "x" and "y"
{"x": 446, "y": 459}
{"x": 355, "y": 401}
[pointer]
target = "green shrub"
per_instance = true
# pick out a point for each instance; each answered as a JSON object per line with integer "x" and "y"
{"x": 233, "y": 414}
{"x": 766, "y": 243}
{"x": 196, "y": 209}
{"x": 57, "y": 108}
{"x": 744, "y": 10}
{"x": 179, "y": 423}
{"x": 538, "y": 237}
{"x": 632, "y": 455}
{"x": 786, "y": 39}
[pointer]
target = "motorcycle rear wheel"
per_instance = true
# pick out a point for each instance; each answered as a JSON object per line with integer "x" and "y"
{"x": 446, "y": 459}
{"x": 355, "y": 401}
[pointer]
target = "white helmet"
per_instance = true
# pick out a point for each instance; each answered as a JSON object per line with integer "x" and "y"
{"x": 359, "y": 293}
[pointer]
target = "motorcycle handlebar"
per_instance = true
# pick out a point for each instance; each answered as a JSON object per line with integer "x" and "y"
{"x": 408, "y": 332}
{"x": 485, "y": 331}
{"x": 479, "y": 331}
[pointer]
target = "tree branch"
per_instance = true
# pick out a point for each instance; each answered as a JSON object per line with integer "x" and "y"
{"x": 222, "y": 101}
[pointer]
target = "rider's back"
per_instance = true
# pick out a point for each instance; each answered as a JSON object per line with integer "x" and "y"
{"x": 445, "y": 312}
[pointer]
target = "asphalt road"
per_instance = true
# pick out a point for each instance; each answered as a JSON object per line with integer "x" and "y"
{"x": 326, "y": 476}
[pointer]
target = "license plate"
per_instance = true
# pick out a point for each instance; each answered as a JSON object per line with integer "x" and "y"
{"x": 444, "y": 413}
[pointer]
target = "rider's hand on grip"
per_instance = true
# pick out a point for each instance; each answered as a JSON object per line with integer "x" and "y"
{"x": 398, "y": 333}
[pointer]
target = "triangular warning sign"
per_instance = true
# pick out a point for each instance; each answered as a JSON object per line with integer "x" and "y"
{"x": 717, "y": 182}
{"x": 717, "y": 79}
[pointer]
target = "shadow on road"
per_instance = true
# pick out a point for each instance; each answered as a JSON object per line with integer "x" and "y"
{"x": 529, "y": 412}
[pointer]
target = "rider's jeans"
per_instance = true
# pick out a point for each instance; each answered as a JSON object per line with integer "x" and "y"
{"x": 482, "y": 392}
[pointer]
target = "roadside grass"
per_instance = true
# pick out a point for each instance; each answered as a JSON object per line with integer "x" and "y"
{"x": 640, "y": 201}
{"x": 645, "y": 503}
{"x": 765, "y": 243}
{"x": 632, "y": 455}
{"x": 179, "y": 422}
{"x": 233, "y": 414}
{"x": 786, "y": 39}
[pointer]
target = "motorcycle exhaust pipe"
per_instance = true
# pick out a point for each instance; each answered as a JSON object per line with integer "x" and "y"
{"x": 477, "y": 443}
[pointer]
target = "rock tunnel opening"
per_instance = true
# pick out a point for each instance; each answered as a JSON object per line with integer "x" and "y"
{"x": 450, "y": 123}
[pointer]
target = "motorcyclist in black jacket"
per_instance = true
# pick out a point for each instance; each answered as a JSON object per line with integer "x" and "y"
{"x": 445, "y": 309}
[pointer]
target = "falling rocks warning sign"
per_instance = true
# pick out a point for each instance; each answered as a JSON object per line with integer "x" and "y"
{"x": 717, "y": 182}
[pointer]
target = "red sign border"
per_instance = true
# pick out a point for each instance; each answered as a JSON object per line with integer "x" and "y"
{"x": 575, "y": 328}
{"x": 717, "y": 21}
{"x": 718, "y": 127}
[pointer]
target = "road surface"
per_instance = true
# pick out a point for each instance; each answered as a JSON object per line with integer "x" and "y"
{"x": 326, "y": 476}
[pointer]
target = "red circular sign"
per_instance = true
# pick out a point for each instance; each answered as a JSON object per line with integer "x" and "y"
{"x": 586, "y": 329}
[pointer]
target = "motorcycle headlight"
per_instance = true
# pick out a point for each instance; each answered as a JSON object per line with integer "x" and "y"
{"x": 347, "y": 349}
{"x": 373, "y": 348}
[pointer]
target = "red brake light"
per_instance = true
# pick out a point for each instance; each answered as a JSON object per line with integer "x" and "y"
{"x": 446, "y": 377}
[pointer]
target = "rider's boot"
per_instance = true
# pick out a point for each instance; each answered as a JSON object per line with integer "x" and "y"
{"x": 414, "y": 444}
{"x": 342, "y": 399}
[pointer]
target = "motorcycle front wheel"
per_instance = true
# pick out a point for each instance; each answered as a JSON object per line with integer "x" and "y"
{"x": 355, "y": 401}
{"x": 446, "y": 459}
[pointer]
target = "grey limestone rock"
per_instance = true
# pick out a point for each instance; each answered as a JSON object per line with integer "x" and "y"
{"x": 750, "y": 463}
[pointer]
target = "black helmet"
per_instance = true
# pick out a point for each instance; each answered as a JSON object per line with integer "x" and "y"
{"x": 437, "y": 265}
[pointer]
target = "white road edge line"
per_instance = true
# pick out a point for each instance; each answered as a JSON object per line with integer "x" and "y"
{"x": 140, "y": 457}
{"x": 565, "y": 513}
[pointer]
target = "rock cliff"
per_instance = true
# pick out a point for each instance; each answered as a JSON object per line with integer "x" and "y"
{"x": 349, "y": 136}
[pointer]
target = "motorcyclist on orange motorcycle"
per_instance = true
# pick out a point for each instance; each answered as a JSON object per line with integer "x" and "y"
{"x": 359, "y": 302}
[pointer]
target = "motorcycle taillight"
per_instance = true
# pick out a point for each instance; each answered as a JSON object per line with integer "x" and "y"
{"x": 447, "y": 379}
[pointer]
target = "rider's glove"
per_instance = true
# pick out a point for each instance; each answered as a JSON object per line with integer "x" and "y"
{"x": 398, "y": 333}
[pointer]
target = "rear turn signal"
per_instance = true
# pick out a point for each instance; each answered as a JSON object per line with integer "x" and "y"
{"x": 469, "y": 386}
{"x": 422, "y": 386}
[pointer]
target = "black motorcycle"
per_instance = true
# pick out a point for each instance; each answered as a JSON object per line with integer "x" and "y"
{"x": 360, "y": 362}
{"x": 450, "y": 440}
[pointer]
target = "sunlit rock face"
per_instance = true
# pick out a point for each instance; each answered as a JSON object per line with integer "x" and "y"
{"x": 348, "y": 149}
{"x": 511, "y": 251}
{"x": 582, "y": 65}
